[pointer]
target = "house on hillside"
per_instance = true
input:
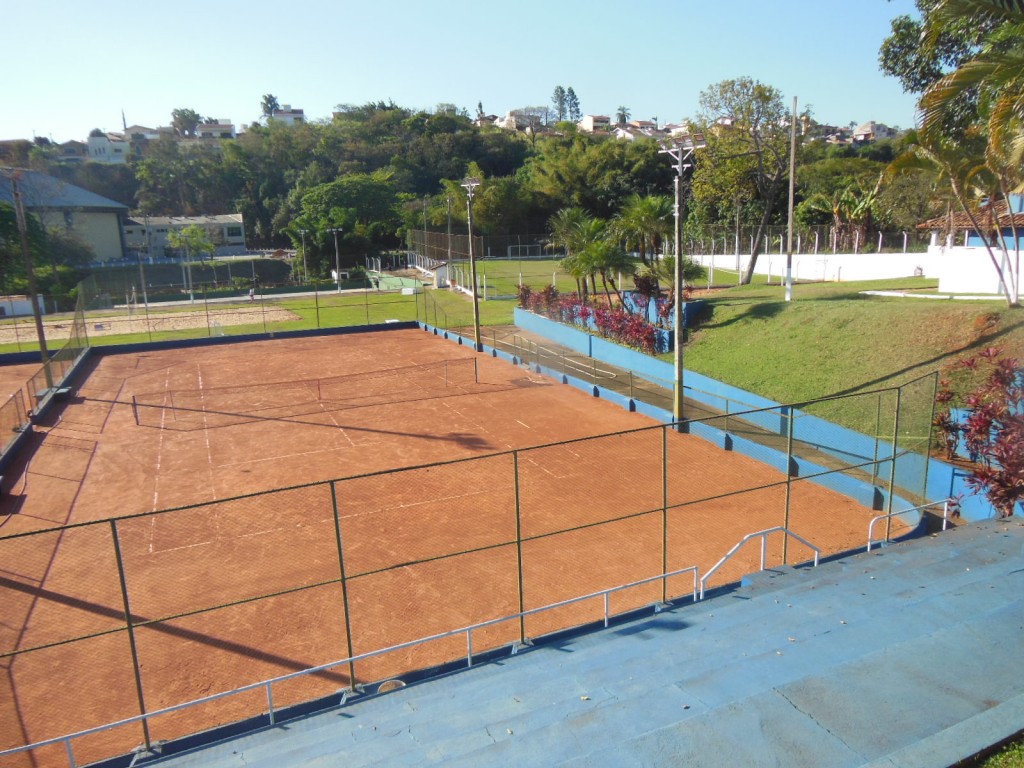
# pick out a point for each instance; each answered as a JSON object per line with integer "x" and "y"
{"x": 871, "y": 131}
{"x": 287, "y": 115}
{"x": 148, "y": 235}
{"x": 95, "y": 220}
{"x": 108, "y": 148}
{"x": 73, "y": 151}
{"x": 221, "y": 128}
{"x": 592, "y": 123}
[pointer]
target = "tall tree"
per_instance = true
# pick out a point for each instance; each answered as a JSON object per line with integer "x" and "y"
{"x": 269, "y": 105}
{"x": 622, "y": 115}
{"x": 185, "y": 122}
{"x": 558, "y": 101}
{"x": 746, "y": 126}
{"x": 572, "y": 104}
{"x": 995, "y": 72}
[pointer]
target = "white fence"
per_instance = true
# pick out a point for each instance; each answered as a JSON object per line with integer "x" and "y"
{"x": 959, "y": 269}
{"x": 831, "y": 267}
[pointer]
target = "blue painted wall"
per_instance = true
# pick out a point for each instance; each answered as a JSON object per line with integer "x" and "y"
{"x": 943, "y": 480}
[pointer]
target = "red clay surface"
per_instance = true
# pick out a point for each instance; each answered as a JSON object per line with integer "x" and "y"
{"x": 400, "y": 532}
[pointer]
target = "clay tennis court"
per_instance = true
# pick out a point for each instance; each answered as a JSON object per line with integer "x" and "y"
{"x": 228, "y": 588}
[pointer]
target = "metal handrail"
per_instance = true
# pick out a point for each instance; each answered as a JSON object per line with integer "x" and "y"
{"x": 764, "y": 546}
{"x": 67, "y": 739}
{"x": 919, "y": 508}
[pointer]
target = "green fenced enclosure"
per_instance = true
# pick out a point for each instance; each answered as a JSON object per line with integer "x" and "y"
{"x": 207, "y": 314}
{"x": 307, "y": 575}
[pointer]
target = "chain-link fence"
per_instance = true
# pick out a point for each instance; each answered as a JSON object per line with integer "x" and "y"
{"x": 241, "y": 590}
{"x": 822, "y": 238}
{"x": 48, "y": 381}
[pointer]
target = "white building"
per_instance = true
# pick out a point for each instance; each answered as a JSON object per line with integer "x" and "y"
{"x": 108, "y": 148}
{"x": 221, "y": 128}
{"x": 872, "y": 131}
{"x": 149, "y": 235}
{"x": 591, "y": 123}
{"x": 287, "y": 115}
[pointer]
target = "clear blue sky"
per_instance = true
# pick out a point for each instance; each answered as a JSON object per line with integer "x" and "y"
{"x": 71, "y": 67}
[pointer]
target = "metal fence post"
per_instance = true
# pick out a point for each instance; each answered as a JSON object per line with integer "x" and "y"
{"x": 664, "y": 512}
{"x": 892, "y": 466}
{"x": 789, "y": 488}
{"x": 519, "y": 546}
{"x": 130, "y": 626}
{"x": 344, "y": 586}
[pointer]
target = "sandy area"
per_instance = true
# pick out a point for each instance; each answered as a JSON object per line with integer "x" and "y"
{"x": 139, "y": 322}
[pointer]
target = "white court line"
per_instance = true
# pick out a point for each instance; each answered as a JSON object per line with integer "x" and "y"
{"x": 159, "y": 456}
{"x": 523, "y": 424}
{"x": 431, "y": 500}
{"x": 206, "y": 432}
{"x": 208, "y": 542}
{"x": 293, "y": 455}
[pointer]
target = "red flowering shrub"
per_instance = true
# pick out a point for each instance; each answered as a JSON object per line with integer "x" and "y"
{"x": 993, "y": 432}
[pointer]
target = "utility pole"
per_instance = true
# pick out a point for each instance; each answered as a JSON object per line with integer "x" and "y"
{"x": 789, "y": 226}
{"x": 471, "y": 184}
{"x": 337, "y": 258}
{"x": 33, "y": 297}
{"x": 680, "y": 152}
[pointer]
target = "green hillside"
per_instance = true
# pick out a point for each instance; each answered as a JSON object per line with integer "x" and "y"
{"x": 832, "y": 339}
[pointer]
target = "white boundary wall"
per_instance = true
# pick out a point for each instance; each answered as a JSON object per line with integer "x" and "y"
{"x": 967, "y": 270}
{"x": 832, "y": 267}
{"x": 959, "y": 269}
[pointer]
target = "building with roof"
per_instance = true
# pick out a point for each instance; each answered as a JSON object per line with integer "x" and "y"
{"x": 108, "y": 148}
{"x": 287, "y": 115}
{"x": 94, "y": 219}
{"x": 219, "y": 128}
{"x": 958, "y": 245}
{"x": 591, "y": 123}
{"x": 872, "y": 131}
{"x": 148, "y": 235}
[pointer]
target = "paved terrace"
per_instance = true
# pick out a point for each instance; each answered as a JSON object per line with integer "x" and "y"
{"x": 910, "y": 655}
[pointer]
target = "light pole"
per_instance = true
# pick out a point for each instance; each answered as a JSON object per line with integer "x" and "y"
{"x": 337, "y": 257}
{"x": 305, "y": 273}
{"x": 681, "y": 151}
{"x": 471, "y": 184}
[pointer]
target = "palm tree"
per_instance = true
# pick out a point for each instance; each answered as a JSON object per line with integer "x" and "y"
{"x": 622, "y": 115}
{"x": 606, "y": 256}
{"x": 643, "y": 221}
{"x": 588, "y": 231}
{"x": 966, "y": 166}
{"x": 997, "y": 72}
{"x": 564, "y": 227}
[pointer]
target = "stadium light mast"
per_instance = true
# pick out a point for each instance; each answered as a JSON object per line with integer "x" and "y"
{"x": 337, "y": 257}
{"x": 470, "y": 185}
{"x": 680, "y": 151}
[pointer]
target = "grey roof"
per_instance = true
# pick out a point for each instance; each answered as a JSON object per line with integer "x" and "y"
{"x": 41, "y": 191}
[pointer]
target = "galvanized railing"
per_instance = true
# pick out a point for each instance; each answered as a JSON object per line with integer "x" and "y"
{"x": 921, "y": 508}
{"x": 268, "y": 685}
{"x": 763, "y": 535}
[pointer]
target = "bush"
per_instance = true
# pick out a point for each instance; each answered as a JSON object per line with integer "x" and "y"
{"x": 993, "y": 432}
{"x": 616, "y": 324}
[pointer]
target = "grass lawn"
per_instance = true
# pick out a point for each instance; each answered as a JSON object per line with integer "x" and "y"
{"x": 831, "y": 339}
